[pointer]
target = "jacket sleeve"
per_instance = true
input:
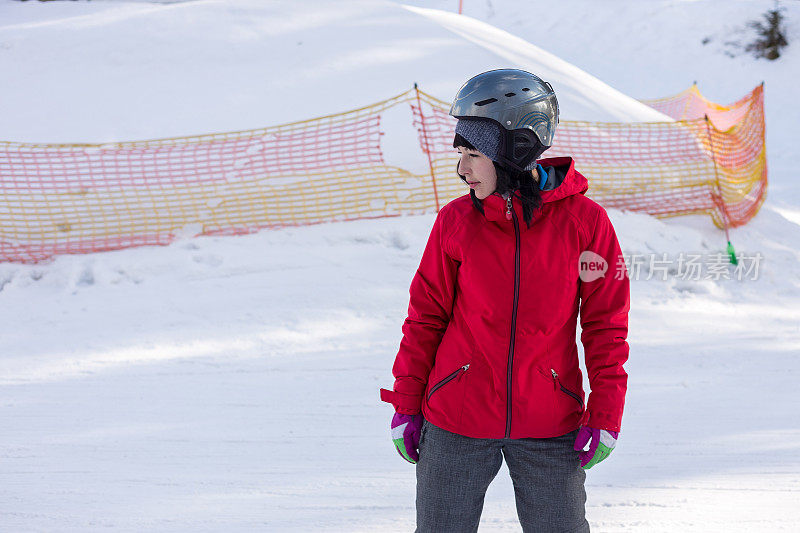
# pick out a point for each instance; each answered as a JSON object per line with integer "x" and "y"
{"x": 429, "y": 310}
{"x": 605, "y": 303}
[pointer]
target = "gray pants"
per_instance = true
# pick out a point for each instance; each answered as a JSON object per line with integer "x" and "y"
{"x": 454, "y": 471}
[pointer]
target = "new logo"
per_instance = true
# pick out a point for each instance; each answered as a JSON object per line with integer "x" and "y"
{"x": 592, "y": 266}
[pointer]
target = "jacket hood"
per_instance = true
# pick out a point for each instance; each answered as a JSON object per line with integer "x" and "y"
{"x": 562, "y": 181}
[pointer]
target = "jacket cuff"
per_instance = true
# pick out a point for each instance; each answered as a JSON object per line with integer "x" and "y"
{"x": 599, "y": 421}
{"x": 407, "y": 404}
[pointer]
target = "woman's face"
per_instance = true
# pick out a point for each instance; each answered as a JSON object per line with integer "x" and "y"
{"x": 478, "y": 170}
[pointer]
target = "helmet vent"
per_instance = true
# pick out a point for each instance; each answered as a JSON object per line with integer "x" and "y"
{"x": 526, "y": 89}
{"x": 487, "y": 101}
{"x": 509, "y": 95}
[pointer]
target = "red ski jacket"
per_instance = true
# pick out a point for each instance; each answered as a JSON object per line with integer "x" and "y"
{"x": 489, "y": 346}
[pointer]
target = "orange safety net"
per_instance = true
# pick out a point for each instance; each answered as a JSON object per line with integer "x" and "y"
{"x": 734, "y": 138}
{"x": 82, "y": 198}
{"x": 665, "y": 169}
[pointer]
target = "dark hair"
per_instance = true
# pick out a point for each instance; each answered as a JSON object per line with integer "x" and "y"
{"x": 508, "y": 180}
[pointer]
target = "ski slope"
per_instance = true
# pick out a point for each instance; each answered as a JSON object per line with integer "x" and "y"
{"x": 655, "y": 48}
{"x": 91, "y": 71}
{"x": 231, "y": 383}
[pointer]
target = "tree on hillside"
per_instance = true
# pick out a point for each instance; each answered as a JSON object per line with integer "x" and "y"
{"x": 771, "y": 35}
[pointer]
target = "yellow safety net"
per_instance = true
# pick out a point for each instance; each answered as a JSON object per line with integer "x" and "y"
{"x": 82, "y": 198}
{"x": 693, "y": 166}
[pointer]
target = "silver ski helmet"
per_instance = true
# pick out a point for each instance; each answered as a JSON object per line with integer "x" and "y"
{"x": 524, "y": 105}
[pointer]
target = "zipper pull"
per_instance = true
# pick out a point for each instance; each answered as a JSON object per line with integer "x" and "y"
{"x": 555, "y": 378}
{"x": 465, "y": 367}
{"x": 508, "y": 208}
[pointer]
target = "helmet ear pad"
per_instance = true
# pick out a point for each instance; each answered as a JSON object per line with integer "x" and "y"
{"x": 521, "y": 147}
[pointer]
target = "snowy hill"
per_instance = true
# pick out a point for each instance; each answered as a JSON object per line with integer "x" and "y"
{"x": 91, "y": 71}
{"x": 655, "y": 48}
{"x": 231, "y": 383}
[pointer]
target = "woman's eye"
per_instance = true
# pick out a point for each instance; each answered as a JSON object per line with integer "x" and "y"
{"x": 474, "y": 155}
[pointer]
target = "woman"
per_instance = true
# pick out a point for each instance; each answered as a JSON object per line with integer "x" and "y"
{"x": 488, "y": 365}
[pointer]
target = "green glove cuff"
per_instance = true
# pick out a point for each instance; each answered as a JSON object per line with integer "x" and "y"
{"x": 600, "y": 454}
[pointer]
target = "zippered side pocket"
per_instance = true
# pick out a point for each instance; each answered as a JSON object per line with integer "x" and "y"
{"x": 557, "y": 383}
{"x": 447, "y": 379}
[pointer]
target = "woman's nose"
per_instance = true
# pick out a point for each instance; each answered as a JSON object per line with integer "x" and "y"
{"x": 463, "y": 166}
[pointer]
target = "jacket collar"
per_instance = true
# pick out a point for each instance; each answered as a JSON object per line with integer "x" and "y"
{"x": 560, "y": 169}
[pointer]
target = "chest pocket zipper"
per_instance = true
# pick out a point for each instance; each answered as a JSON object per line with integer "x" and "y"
{"x": 565, "y": 390}
{"x": 447, "y": 379}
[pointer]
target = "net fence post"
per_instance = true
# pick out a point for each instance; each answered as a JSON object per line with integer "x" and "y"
{"x": 427, "y": 147}
{"x": 724, "y": 208}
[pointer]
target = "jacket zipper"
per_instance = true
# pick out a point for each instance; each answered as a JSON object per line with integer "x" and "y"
{"x": 447, "y": 379}
{"x": 557, "y": 381}
{"x": 513, "y": 313}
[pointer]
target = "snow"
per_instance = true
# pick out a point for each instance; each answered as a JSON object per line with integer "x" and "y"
{"x": 231, "y": 383}
{"x": 91, "y": 76}
{"x": 654, "y": 48}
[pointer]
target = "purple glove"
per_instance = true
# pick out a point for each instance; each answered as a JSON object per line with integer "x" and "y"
{"x": 603, "y": 443}
{"x": 405, "y": 435}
